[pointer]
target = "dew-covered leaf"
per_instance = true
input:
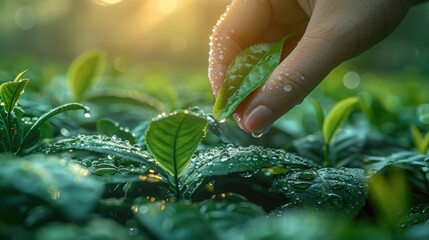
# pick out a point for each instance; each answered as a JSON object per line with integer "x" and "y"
{"x": 84, "y": 72}
{"x": 65, "y": 186}
{"x": 42, "y": 119}
{"x": 404, "y": 160}
{"x": 221, "y": 161}
{"x": 104, "y": 145}
{"x": 336, "y": 117}
{"x": 339, "y": 190}
{"x": 174, "y": 138}
{"x": 247, "y": 72}
{"x": 111, "y": 128}
{"x": 11, "y": 92}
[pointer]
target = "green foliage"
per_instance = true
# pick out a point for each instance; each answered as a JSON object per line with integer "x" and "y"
{"x": 19, "y": 134}
{"x": 110, "y": 128}
{"x": 247, "y": 72}
{"x": 184, "y": 220}
{"x": 337, "y": 190}
{"x": 11, "y": 92}
{"x": 64, "y": 186}
{"x": 421, "y": 142}
{"x": 320, "y": 115}
{"x": 84, "y": 72}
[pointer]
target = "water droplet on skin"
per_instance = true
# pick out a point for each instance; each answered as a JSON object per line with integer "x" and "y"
{"x": 221, "y": 57}
{"x": 279, "y": 78}
{"x": 257, "y": 135}
{"x": 302, "y": 78}
{"x": 287, "y": 87}
{"x": 264, "y": 87}
{"x": 287, "y": 74}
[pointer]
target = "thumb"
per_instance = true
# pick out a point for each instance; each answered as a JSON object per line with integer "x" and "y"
{"x": 298, "y": 74}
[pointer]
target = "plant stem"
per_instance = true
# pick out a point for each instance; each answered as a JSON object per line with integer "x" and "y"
{"x": 176, "y": 183}
{"x": 326, "y": 154}
{"x": 9, "y": 126}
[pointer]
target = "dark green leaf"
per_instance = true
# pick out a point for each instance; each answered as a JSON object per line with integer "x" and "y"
{"x": 84, "y": 72}
{"x": 11, "y": 92}
{"x": 342, "y": 190}
{"x": 174, "y": 138}
{"x": 64, "y": 186}
{"x": 222, "y": 161}
{"x": 42, "y": 119}
{"x": 184, "y": 220}
{"x": 110, "y": 128}
{"x": 247, "y": 72}
{"x": 104, "y": 145}
{"x": 404, "y": 160}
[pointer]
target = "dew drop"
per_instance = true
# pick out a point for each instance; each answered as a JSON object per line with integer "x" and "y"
{"x": 257, "y": 134}
{"x": 287, "y": 87}
{"x": 87, "y": 114}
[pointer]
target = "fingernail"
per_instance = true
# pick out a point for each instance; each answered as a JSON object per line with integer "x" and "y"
{"x": 259, "y": 119}
{"x": 239, "y": 120}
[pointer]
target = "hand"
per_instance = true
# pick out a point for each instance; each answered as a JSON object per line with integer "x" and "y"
{"x": 328, "y": 32}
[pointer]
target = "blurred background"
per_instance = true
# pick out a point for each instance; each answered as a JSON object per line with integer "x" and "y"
{"x": 154, "y": 42}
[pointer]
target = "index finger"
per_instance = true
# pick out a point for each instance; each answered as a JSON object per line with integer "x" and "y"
{"x": 237, "y": 28}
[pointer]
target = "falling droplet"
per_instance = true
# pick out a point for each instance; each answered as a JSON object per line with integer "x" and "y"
{"x": 287, "y": 87}
{"x": 87, "y": 114}
{"x": 257, "y": 134}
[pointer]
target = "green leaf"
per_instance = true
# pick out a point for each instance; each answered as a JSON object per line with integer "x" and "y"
{"x": 403, "y": 160}
{"x": 222, "y": 161}
{"x": 11, "y": 92}
{"x": 19, "y": 76}
{"x": 42, "y": 119}
{"x": 423, "y": 113}
{"x": 174, "y": 138}
{"x": 336, "y": 117}
{"x": 184, "y": 220}
{"x": 342, "y": 190}
{"x": 247, "y": 72}
{"x": 110, "y": 128}
{"x": 84, "y": 72}
{"x": 104, "y": 145}
{"x": 320, "y": 115}
{"x": 421, "y": 143}
{"x": 64, "y": 186}
{"x": 416, "y": 215}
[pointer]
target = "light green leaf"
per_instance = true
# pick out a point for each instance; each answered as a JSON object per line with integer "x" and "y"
{"x": 84, "y": 72}
{"x": 11, "y": 92}
{"x": 421, "y": 143}
{"x": 320, "y": 115}
{"x": 247, "y": 72}
{"x": 339, "y": 190}
{"x": 19, "y": 76}
{"x": 174, "y": 138}
{"x": 336, "y": 117}
{"x": 64, "y": 186}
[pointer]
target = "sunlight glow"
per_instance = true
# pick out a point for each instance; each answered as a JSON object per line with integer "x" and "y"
{"x": 166, "y": 6}
{"x": 107, "y": 2}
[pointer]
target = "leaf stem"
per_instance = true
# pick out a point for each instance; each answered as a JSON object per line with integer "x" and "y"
{"x": 326, "y": 154}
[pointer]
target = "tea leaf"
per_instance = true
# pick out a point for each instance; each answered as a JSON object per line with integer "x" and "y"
{"x": 84, "y": 72}
{"x": 247, "y": 72}
{"x": 174, "y": 138}
{"x": 55, "y": 111}
{"x": 110, "y": 128}
{"x": 222, "y": 161}
{"x": 320, "y": 115}
{"x": 65, "y": 186}
{"x": 403, "y": 160}
{"x": 19, "y": 76}
{"x": 342, "y": 190}
{"x": 11, "y": 92}
{"x": 336, "y": 117}
{"x": 421, "y": 143}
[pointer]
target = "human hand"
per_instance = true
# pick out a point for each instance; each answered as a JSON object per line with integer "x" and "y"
{"x": 328, "y": 32}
